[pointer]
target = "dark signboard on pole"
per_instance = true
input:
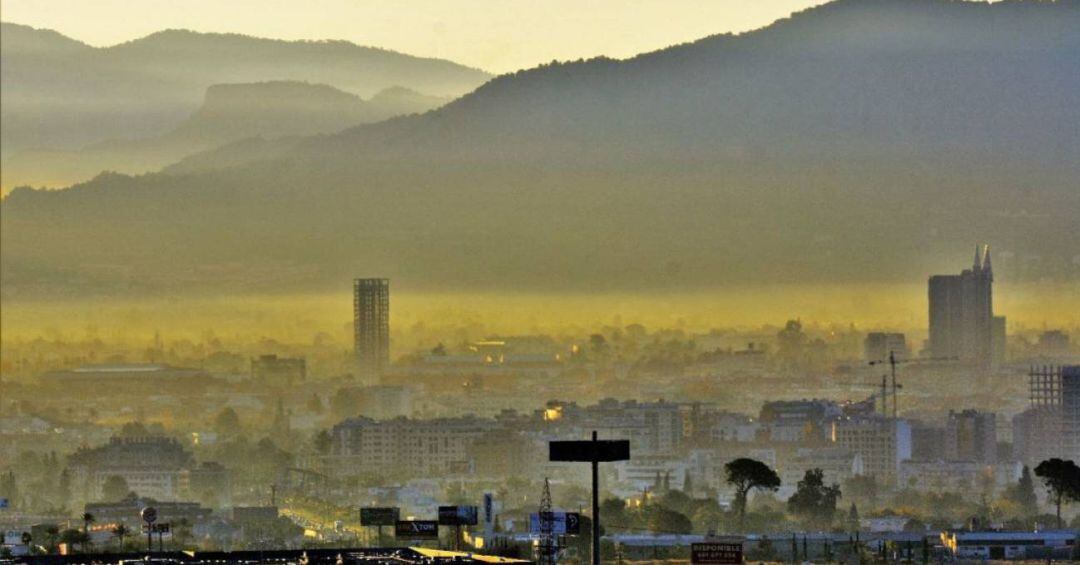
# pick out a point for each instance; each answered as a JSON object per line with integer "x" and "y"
{"x": 457, "y": 515}
{"x": 379, "y": 516}
{"x": 716, "y": 553}
{"x": 587, "y": 451}
{"x": 593, "y": 452}
{"x": 417, "y": 529}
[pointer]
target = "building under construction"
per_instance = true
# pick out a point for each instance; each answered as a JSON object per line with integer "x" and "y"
{"x": 1051, "y": 426}
{"x": 371, "y": 324}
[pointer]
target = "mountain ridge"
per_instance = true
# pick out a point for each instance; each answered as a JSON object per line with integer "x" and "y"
{"x": 229, "y": 113}
{"x": 790, "y": 154}
{"x": 63, "y": 94}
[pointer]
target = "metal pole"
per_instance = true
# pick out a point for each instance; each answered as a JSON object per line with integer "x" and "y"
{"x": 595, "y": 508}
{"x": 892, "y": 365}
{"x": 149, "y": 539}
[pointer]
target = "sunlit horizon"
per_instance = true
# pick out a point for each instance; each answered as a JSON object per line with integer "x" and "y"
{"x": 498, "y": 38}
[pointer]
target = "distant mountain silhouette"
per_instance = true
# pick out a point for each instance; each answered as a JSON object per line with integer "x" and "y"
{"x": 63, "y": 94}
{"x": 230, "y": 112}
{"x": 859, "y": 140}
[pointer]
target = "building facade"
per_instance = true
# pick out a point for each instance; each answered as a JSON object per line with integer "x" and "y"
{"x": 151, "y": 466}
{"x": 1051, "y": 426}
{"x": 406, "y": 446}
{"x": 962, "y": 321}
{"x": 371, "y": 324}
{"x": 881, "y": 443}
{"x": 971, "y": 435}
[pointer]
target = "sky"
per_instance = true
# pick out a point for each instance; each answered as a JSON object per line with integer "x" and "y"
{"x": 494, "y": 35}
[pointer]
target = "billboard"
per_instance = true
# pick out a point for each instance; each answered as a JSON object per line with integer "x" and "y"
{"x": 417, "y": 529}
{"x": 595, "y": 450}
{"x": 379, "y": 516}
{"x": 457, "y": 515}
{"x": 716, "y": 553}
{"x": 562, "y": 523}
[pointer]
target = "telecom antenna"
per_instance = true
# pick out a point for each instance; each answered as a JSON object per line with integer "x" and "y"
{"x": 546, "y": 548}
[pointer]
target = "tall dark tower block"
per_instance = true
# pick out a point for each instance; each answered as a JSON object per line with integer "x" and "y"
{"x": 371, "y": 324}
{"x": 962, "y": 321}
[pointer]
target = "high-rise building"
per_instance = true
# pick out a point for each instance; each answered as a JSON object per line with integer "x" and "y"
{"x": 371, "y": 324}
{"x": 971, "y": 435}
{"x": 962, "y": 321}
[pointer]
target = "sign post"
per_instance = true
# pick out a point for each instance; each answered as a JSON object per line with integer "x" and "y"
{"x": 457, "y": 516}
{"x": 593, "y": 452}
{"x": 417, "y": 529}
{"x": 149, "y": 515}
{"x": 379, "y": 517}
{"x": 725, "y": 552}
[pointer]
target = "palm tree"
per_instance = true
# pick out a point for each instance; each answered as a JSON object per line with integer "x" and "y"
{"x": 120, "y": 531}
{"x": 52, "y": 533}
{"x": 87, "y": 519}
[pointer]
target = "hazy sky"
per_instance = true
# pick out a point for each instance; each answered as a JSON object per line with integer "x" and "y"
{"x": 496, "y": 35}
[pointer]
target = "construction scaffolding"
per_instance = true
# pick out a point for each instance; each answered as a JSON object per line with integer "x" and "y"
{"x": 1055, "y": 399}
{"x": 1044, "y": 384}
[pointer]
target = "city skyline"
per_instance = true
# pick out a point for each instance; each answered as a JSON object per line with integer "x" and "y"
{"x": 461, "y": 281}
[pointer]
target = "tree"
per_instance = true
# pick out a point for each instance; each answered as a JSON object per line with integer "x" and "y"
{"x": 115, "y": 488}
{"x": 455, "y": 494}
{"x": 814, "y": 502}
{"x": 707, "y": 516}
{"x": 63, "y": 487}
{"x": 1023, "y": 494}
{"x": 323, "y": 442}
{"x": 182, "y": 532}
{"x": 1062, "y": 480}
{"x": 120, "y": 531}
{"x": 666, "y": 521}
{"x": 614, "y": 512}
{"x": 8, "y": 487}
{"x": 227, "y": 422}
{"x": 678, "y": 501}
{"x": 134, "y": 429}
{"x": 72, "y": 537}
{"x": 52, "y": 534}
{"x": 598, "y": 342}
{"x": 863, "y": 489}
{"x": 744, "y": 475}
{"x": 88, "y": 519}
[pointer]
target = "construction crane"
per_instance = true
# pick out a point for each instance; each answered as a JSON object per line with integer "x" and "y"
{"x": 893, "y": 362}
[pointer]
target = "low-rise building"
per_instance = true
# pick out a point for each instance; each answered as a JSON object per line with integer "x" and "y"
{"x": 278, "y": 371}
{"x": 155, "y": 467}
{"x": 882, "y": 443}
{"x": 1009, "y": 545}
